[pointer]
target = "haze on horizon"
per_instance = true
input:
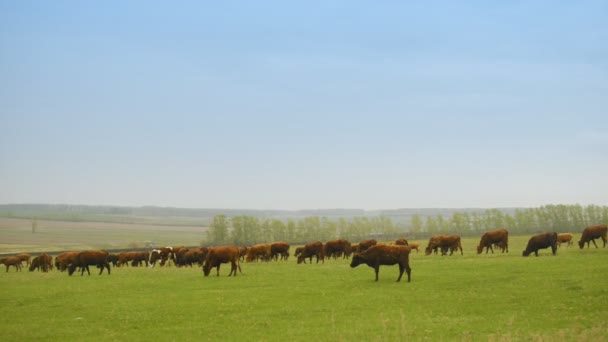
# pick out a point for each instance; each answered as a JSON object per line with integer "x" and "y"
{"x": 312, "y": 105}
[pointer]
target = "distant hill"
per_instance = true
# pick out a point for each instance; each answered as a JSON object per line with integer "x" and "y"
{"x": 196, "y": 216}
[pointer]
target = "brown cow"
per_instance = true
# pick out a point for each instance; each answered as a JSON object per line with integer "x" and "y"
{"x": 335, "y": 248}
{"x": 444, "y": 242}
{"x": 298, "y": 251}
{"x": 592, "y": 233}
{"x": 221, "y": 255}
{"x": 564, "y": 238}
{"x": 64, "y": 260}
{"x": 279, "y": 249}
{"x": 43, "y": 262}
{"x": 243, "y": 252}
{"x": 24, "y": 257}
{"x": 84, "y": 259}
{"x": 365, "y": 244}
{"x": 541, "y": 241}
{"x": 401, "y": 242}
{"x": 498, "y": 236}
{"x": 413, "y": 245}
{"x": 385, "y": 255}
{"x": 11, "y": 261}
{"x": 312, "y": 249}
{"x": 136, "y": 258}
{"x": 190, "y": 256}
{"x": 257, "y": 252}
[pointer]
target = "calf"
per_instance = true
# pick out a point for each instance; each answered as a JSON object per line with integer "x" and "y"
{"x": 11, "y": 261}
{"x": 385, "y": 255}
{"x": 592, "y": 233}
{"x": 541, "y": 241}
{"x": 564, "y": 238}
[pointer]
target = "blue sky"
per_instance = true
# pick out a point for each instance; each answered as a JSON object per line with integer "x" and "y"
{"x": 285, "y": 105}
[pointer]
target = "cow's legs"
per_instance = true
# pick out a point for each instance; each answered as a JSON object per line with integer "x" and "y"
{"x": 400, "y": 272}
{"x": 218, "y": 269}
{"x": 377, "y": 269}
{"x": 595, "y": 244}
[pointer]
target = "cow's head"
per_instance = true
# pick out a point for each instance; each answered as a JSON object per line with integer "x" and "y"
{"x": 526, "y": 253}
{"x": 301, "y": 259}
{"x": 581, "y": 244}
{"x": 206, "y": 269}
{"x": 71, "y": 269}
{"x": 357, "y": 260}
{"x": 479, "y": 249}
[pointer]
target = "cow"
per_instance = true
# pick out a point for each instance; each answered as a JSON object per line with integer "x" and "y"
{"x": 541, "y": 241}
{"x": 63, "y": 260}
{"x": 298, "y": 251}
{"x": 24, "y": 257}
{"x": 335, "y": 248}
{"x": 279, "y": 249}
{"x": 243, "y": 252}
{"x": 221, "y": 255}
{"x": 84, "y": 259}
{"x": 260, "y": 251}
{"x": 385, "y": 255}
{"x": 401, "y": 242}
{"x": 413, "y": 245}
{"x": 136, "y": 258}
{"x": 592, "y": 233}
{"x": 11, "y": 261}
{"x": 43, "y": 262}
{"x": 113, "y": 259}
{"x": 190, "y": 256}
{"x": 444, "y": 242}
{"x": 365, "y": 244}
{"x": 312, "y": 249}
{"x": 163, "y": 254}
{"x": 564, "y": 238}
{"x": 499, "y": 237}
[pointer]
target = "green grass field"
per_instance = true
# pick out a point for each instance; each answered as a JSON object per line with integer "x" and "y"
{"x": 472, "y": 297}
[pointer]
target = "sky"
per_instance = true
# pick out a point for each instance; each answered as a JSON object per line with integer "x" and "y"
{"x": 304, "y": 105}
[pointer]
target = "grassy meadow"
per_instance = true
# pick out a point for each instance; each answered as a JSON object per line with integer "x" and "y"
{"x": 470, "y": 297}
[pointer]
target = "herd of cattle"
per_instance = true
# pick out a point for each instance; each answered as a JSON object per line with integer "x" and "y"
{"x": 367, "y": 252}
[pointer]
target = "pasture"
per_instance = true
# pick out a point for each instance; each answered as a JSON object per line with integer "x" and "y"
{"x": 499, "y": 297}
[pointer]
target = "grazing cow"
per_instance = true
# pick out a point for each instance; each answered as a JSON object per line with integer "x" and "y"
{"x": 385, "y": 255}
{"x": 84, "y": 259}
{"x": 414, "y": 245}
{"x": 43, "y": 262}
{"x": 335, "y": 248}
{"x": 312, "y": 249}
{"x": 24, "y": 257}
{"x": 260, "y": 251}
{"x": 298, "y": 251}
{"x": 365, "y": 244}
{"x": 11, "y": 261}
{"x": 243, "y": 252}
{"x": 64, "y": 260}
{"x": 113, "y": 259}
{"x": 136, "y": 258}
{"x": 190, "y": 256}
{"x": 541, "y": 241}
{"x": 592, "y": 233}
{"x": 444, "y": 242}
{"x": 163, "y": 254}
{"x": 279, "y": 249}
{"x": 401, "y": 242}
{"x": 499, "y": 237}
{"x": 564, "y": 238}
{"x": 221, "y": 255}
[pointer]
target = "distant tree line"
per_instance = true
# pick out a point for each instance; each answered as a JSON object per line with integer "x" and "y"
{"x": 248, "y": 230}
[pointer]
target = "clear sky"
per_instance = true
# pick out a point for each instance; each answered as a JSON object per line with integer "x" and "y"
{"x": 304, "y": 105}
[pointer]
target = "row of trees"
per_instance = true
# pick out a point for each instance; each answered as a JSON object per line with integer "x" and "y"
{"x": 247, "y": 230}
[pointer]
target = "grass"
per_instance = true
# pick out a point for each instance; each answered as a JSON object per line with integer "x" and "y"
{"x": 499, "y": 297}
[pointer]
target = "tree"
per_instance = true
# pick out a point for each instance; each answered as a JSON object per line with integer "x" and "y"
{"x": 218, "y": 230}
